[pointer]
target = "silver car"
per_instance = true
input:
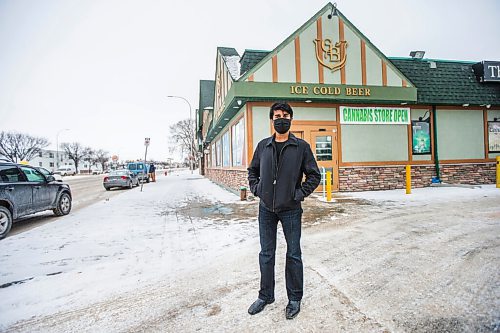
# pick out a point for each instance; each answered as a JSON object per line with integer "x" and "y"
{"x": 120, "y": 178}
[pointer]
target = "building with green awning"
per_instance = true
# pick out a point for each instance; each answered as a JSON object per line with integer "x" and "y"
{"x": 365, "y": 115}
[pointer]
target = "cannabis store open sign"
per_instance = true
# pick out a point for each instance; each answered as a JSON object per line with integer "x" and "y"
{"x": 374, "y": 115}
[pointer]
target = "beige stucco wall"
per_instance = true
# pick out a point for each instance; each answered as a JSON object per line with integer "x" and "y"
{"x": 460, "y": 134}
{"x": 373, "y": 68}
{"x": 324, "y": 114}
{"x": 265, "y": 73}
{"x": 330, "y": 30}
{"x": 393, "y": 79}
{"x": 308, "y": 67}
{"x": 373, "y": 143}
{"x": 353, "y": 64}
{"x": 286, "y": 64}
{"x": 261, "y": 124}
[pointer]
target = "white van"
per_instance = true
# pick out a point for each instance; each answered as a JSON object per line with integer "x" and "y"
{"x": 66, "y": 170}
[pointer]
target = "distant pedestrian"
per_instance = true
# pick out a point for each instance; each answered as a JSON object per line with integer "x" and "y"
{"x": 152, "y": 172}
{"x": 275, "y": 176}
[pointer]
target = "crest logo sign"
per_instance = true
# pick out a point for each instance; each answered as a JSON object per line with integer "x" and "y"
{"x": 329, "y": 55}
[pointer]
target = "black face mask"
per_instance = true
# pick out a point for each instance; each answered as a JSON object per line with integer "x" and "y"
{"x": 282, "y": 125}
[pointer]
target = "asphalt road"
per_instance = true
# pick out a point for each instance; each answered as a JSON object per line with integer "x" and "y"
{"x": 86, "y": 190}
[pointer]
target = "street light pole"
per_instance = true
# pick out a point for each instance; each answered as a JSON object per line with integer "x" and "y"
{"x": 191, "y": 160}
{"x": 57, "y": 146}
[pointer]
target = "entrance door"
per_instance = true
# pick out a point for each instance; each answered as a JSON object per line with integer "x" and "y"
{"x": 298, "y": 134}
{"x": 324, "y": 146}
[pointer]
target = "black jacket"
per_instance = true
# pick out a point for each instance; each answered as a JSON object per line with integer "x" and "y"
{"x": 280, "y": 187}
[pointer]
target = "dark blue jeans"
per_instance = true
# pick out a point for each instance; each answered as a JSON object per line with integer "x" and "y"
{"x": 291, "y": 223}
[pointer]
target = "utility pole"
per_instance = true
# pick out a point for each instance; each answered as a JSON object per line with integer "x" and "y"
{"x": 146, "y": 143}
{"x": 191, "y": 134}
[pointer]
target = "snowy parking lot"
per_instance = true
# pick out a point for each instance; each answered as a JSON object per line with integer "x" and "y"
{"x": 182, "y": 255}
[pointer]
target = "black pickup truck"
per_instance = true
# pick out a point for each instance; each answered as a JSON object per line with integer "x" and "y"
{"x": 25, "y": 190}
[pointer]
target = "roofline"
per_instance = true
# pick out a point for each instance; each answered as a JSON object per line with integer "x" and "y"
{"x": 437, "y": 60}
{"x": 356, "y": 31}
{"x": 252, "y": 50}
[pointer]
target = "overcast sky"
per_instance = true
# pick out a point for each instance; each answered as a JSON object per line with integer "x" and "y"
{"x": 103, "y": 68}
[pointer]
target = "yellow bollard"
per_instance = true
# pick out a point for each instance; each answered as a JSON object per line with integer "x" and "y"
{"x": 408, "y": 179}
{"x": 498, "y": 171}
{"x": 328, "y": 186}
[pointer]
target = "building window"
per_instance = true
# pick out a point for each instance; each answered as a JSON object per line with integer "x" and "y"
{"x": 212, "y": 156}
{"x": 494, "y": 137}
{"x": 51, "y": 155}
{"x": 40, "y": 164}
{"x": 40, "y": 154}
{"x": 51, "y": 164}
{"x": 324, "y": 148}
{"x": 238, "y": 142}
{"x": 225, "y": 149}
{"x": 218, "y": 161}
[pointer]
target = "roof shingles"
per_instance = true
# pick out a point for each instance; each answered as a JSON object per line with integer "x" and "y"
{"x": 450, "y": 83}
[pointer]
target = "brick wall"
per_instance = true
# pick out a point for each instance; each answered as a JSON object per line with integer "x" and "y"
{"x": 393, "y": 177}
{"x": 232, "y": 179}
{"x": 473, "y": 174}
{"x": 381, "y": 177}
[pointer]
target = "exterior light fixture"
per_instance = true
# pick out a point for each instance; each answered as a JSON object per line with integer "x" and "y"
{"x": 417, "y": 54}
{"x": 239, "y": 102}
{"x": 333, "y": 12}
{"x": 465, "y": 104}
{"x": 308, "y": 101}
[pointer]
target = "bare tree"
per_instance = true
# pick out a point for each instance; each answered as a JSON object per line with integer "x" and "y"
{"x": 89, "y": 156}
{"x": 182, "y": 134}
{"x": 18, "y": 146}
{"x": 75, "y": 152}
{"x": 101, "y": 157}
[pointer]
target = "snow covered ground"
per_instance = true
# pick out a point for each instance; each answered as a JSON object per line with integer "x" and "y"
{"x": 182, "y": 255}
{"x": 113, "y": 246}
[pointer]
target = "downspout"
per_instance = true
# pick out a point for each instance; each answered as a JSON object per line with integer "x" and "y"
{"x": 436, "y": 157}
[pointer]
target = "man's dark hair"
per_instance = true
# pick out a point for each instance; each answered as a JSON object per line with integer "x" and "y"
{"x": 283, "y": 106}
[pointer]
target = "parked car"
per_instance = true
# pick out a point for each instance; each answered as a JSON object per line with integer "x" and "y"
{"x": 25, "y": 190}
{"x": 141, "y": 169}
{"x": 120, "y": 178}
{"x": 66, "y": 171}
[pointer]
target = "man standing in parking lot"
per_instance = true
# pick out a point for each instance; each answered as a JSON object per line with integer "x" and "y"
{"x": 275, "y": 176}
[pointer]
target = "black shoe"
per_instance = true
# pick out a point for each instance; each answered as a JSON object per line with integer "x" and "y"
{"x": 292, "y": 309}
{"x": 258, "y": 306}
